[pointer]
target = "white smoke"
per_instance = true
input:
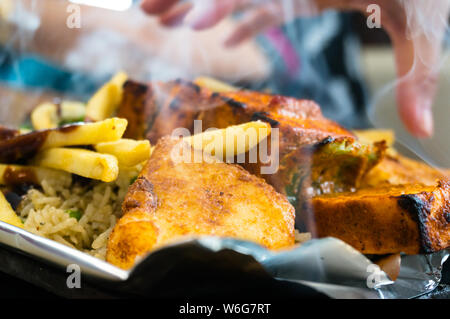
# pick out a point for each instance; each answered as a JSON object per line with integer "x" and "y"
{"x": 426, "y": 27}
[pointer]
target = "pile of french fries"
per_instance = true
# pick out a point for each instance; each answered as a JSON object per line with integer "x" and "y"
{"x": 81, "y": 139}
{"x": 103, "y": 133}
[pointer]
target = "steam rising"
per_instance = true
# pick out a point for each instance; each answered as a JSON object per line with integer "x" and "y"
{"x": 429, "y": 18}
{"x": 131, "y": 41}
{"x": 109, "y": 41}
{"x": 426, "y": 27}
{"x": 139, "y": 45}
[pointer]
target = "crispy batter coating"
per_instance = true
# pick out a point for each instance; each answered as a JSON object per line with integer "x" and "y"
{"x": 171, "y": 200}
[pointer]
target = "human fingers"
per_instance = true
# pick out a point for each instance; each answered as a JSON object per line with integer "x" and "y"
{"x": 207, "y": 13}
{"x": 417, "y": 37}
{"x": 255, "y": 22}
{"x": 157, "y": 6}
{"x": 175, "y": 15}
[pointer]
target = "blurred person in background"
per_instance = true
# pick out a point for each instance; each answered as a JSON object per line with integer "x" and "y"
{"x": 416, "y": 29}
{"x": 303, "y": 49}
{"x": 42, "y": 57}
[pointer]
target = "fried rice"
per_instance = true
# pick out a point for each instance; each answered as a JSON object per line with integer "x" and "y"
{"x": 79, "y": 213}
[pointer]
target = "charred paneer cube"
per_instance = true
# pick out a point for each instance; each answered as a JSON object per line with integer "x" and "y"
{"x": 410, "y": 218}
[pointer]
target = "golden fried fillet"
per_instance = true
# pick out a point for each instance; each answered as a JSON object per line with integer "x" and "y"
{"x": 407, "y": 218}
{"x": 172, "y": 199}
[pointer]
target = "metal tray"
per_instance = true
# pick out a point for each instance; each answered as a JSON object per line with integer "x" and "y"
{"x": 319, "y": 267}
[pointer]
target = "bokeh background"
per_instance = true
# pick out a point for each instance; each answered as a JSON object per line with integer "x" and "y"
{"x": 347, "y": 68}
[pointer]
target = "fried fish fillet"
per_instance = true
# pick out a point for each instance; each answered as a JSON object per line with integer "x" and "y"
{"x": 410, "y": 218}
{"x": 172, "y": 199}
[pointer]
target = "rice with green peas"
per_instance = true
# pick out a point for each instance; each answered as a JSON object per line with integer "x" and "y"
{"x": 79, "y": 214}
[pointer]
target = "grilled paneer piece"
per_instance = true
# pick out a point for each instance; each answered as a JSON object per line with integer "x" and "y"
{"x": 172, "y": 199}
{"x": 406, "y": 218}
{"x": 396, "y": 169}
{"x": 330, "y": 166}
{"x": 155, "y": 110}
{"x": 302, "y": 128}
{"x": 300, "y": 121}
{"x": 138, "y": 107}
{"x": 179, "y": 103}
{"x": 308, "y": 143}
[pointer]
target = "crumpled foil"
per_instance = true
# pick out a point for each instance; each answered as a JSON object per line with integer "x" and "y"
{"x": 327, "y": 265}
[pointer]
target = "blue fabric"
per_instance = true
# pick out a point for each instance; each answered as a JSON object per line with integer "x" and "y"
{"x": 35, "y": 73}
{"x": 329, "y": 50}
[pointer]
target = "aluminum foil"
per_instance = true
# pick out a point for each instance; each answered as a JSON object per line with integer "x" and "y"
{"x": 327, "y": 265}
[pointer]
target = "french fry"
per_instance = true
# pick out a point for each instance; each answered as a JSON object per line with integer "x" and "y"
{"x": 72, "y": 111}
{"x": 119, "y": 79}
{"x": 45, "y": 116}
{"x": 376, "y": 135}
{"x": 86, "y": 134}
{"x": 27, "y": 145}
{"x": 103, "y": 103}
{"x": 106, "y": 100}
{"x": 12, "y": 175}
{"x": 128, "y": 152}
{"x": 7, "y": 214}
{"x": 82, "y": 162}
{"x": 214, "y": 85}
{"x": 25, "y": 131}
{"x": 230, "y": 141}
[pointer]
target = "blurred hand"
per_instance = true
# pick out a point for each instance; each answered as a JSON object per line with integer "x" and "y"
{"x": 416, "y": 29}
